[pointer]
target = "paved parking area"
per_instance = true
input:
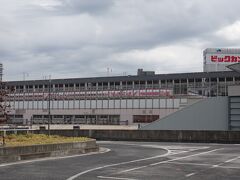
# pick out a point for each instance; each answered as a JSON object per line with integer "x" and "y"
{"x": 137, "y": 160}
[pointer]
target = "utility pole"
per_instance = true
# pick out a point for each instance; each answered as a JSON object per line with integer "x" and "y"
{"x": 49, "y": 105}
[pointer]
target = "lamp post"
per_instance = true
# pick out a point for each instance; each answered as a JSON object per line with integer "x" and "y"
{"x": 49, "y": 105}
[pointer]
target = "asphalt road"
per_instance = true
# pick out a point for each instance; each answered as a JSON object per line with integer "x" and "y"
{"x": 135, "y": 160}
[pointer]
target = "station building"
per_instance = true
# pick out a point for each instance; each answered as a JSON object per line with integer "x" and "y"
{"x": 121, "y": 100}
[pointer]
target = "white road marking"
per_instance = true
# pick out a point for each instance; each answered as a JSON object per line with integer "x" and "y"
{"x": 104, "y": 150}
{"x": 175, "y": 147}
{"x": 132, "y": 169}
{"x": 137, "y": 160}
{"x": 188, "y": 175}
{"x": 117, "y": 164}
{"x": 171, "y": 160}
{"x": 210, "y": 165}
{"x": 219, "y": 165}
{"x": 228, "y": 167}
{"x": 170, "y": 153}
{"x": 190, "y": 148}
{"x": 173, "y": 152}
{"x": 185, "y": 157}
{"x": 107, "y": 177}
{"x": 230, "y": 160}
{"x": 192, "y": 164}
{"x": 141, "y": 145}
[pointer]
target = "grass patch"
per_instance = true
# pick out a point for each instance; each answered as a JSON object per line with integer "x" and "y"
{"x": 34, "y": 139}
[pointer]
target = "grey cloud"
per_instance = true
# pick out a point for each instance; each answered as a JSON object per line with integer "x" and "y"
{"x": 86, "y": 6}
{"x": 71, "y": 7}
{"x": 81, "y": 37}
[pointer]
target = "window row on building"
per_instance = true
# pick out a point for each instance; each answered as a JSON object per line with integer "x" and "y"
{"x": 101, "y": 104}
{"x": 78, "y": 119}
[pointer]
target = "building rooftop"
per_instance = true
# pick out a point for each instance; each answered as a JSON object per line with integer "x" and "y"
{"x": 172, "y": 76}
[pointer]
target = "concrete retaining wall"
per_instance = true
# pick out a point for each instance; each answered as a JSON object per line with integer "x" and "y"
{"x": 11, "y": 154}
{"x": 155, "y": 135}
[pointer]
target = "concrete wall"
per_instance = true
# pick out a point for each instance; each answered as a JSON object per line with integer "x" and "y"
{"x": 208, "y": 114}
{"x": 11, "y": 154}
{"x": 155, "y": 135}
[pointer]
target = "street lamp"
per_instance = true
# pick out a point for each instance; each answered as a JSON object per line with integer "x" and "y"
{"x": 49, "y": 105}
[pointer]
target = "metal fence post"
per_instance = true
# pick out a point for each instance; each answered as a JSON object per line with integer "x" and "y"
{"x": 4, "y": 134}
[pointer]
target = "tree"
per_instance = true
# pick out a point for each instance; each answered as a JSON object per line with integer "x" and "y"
{"x": 4, "y": 106}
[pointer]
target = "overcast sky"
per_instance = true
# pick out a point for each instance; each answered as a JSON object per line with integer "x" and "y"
{"x": 86, "y": 38}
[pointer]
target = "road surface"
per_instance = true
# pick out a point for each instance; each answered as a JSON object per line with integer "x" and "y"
{"x": 135, "y": 161}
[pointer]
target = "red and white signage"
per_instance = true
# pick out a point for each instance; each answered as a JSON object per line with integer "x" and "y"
{"x": 222, "y": 58}
{"x": 218, "y": 59}
{"x": 227, "y": 59}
